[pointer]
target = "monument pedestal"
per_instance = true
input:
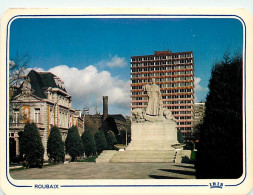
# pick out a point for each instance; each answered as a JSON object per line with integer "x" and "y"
{"x": 151, "y": 142}
{"x": 153, "y": 136}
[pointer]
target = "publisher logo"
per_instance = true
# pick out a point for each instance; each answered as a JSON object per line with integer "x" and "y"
{"x": 216, "y": 185}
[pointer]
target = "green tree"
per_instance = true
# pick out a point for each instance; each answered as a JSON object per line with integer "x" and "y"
{"x": 89, "y": 144}
{"x": 111, "y": 140}
{"x": 100, "y": 140}
{"x": 180, "y": 138}
{"x": 31, "y": 146}
{"x": 55, "y": 146}
{"x": 73, "y": 143}
{"x": 220, "y": 148}
{"x": 196, "y": 131}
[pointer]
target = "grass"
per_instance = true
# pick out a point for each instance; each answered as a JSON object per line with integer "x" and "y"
{"x": 22, "y": 168}
{"x": 193, "y": 156}
{"x": 89, "y": 159}
{"x": 17, "y": 169}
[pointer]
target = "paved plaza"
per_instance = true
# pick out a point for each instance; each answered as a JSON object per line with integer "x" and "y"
{"x": 91, "y": 170}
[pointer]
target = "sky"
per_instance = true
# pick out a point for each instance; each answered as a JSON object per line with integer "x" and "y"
{"x": 92, "y": 55}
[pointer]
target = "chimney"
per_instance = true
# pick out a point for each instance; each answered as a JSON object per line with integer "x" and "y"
{"x": 105, "y": 107}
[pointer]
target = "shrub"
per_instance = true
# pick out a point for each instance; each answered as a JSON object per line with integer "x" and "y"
{"x": 89, "y": 144}
{"x": 89, "y": 159}
{"x": 12, "y": 150}
{"x": 180, "y": 138}
{"x": 193, "y": 156}
{"x": 73, "y": 143}
{"x": 55, "y": 146}
{"x": 31, "y": 146}
{"x": 111, "y": 140}
{"x": 100, "y": 140}
{"x": 121, "y": 138}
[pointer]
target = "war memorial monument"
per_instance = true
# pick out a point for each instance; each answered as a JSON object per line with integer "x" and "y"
{"x": 153, "y": 134}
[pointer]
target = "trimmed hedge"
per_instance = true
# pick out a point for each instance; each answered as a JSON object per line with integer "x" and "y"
{"x": 31, "y": 146}
{"x": 89, "y": 144}
{"x": 73, "y": 144}
{"x": 101, "y": 143}
{"x": 55, "y": 146}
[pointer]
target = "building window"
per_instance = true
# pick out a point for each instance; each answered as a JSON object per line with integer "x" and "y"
{"x": 60, "y": 119}
{"x": 51, "y": 116}
{"x": 37, "y": 115}
{"x": 16, "y": 116}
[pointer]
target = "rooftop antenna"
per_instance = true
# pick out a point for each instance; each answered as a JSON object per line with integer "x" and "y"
{"x": 86, "y": 110}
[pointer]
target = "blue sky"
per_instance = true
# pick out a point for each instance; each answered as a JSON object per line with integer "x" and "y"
{"x": 100, "y": 49}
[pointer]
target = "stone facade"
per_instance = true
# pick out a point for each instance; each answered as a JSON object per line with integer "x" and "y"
{"x": 42, "y": 99}
{"x": 79, "y": 121}
{"x": 199, "y": 113}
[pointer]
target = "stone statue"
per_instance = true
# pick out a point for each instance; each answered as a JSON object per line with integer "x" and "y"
{"x": 155, "y": 112}
{"x": 138, "y": 114}
{"x": 168, "y": 115}
{"x": 154, "y": 99}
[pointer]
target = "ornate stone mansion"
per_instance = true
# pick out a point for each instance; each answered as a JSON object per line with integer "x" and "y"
{"x": 42, "y": 99}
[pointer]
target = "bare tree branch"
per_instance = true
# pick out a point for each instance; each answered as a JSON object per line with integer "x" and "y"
{"x": 17, "y": 66}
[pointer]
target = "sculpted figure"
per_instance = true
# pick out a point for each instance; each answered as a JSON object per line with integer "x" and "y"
{"x": 168, "y": 115}
{"x": 154, "y": 99}
{"x": 138, "y": 114}
{"x": 154, "y": 111}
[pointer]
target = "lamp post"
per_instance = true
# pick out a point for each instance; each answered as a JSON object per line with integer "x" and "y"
{"x": 126, "y": 137}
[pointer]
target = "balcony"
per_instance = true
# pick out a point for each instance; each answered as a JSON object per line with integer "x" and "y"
{"x": 20, "y": 126}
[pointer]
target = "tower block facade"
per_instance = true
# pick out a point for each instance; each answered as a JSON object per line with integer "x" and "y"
{"x": 174, "y": 74}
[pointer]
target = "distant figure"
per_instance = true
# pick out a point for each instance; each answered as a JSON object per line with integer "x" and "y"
{"x": 154, "y": 99}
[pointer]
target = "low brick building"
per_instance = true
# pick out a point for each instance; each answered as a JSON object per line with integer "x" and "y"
{"x": 106, "y": 121}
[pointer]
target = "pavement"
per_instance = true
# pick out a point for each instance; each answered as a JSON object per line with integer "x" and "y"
{"x": 91, "y": 170}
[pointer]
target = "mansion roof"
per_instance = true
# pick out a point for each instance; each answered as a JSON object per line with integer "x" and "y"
{"x": 40, "y": 81}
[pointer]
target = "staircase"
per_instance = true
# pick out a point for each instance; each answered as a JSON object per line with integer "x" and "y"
{"x": 150, "y": 156}
{"x": 105, "y": 156}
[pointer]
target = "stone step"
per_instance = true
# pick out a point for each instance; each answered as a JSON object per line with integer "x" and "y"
{"x": 144, "y": 156}
{"x": 108, "y": 151}
{"x": 150, "y": 145}
{"x": 105, "y": 156}
{"x": 151, "y": 154}
{"x": 151, "y": 151}
{"x": 140, "y": 152}
{"x": 142, "y": 160}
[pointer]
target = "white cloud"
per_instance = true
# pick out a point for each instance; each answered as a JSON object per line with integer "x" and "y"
{"x": 196, "y": 84}
{"x": 200, "y": 92}
{"x": 88, "y": 85}
{"x": 116, "y": 62}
